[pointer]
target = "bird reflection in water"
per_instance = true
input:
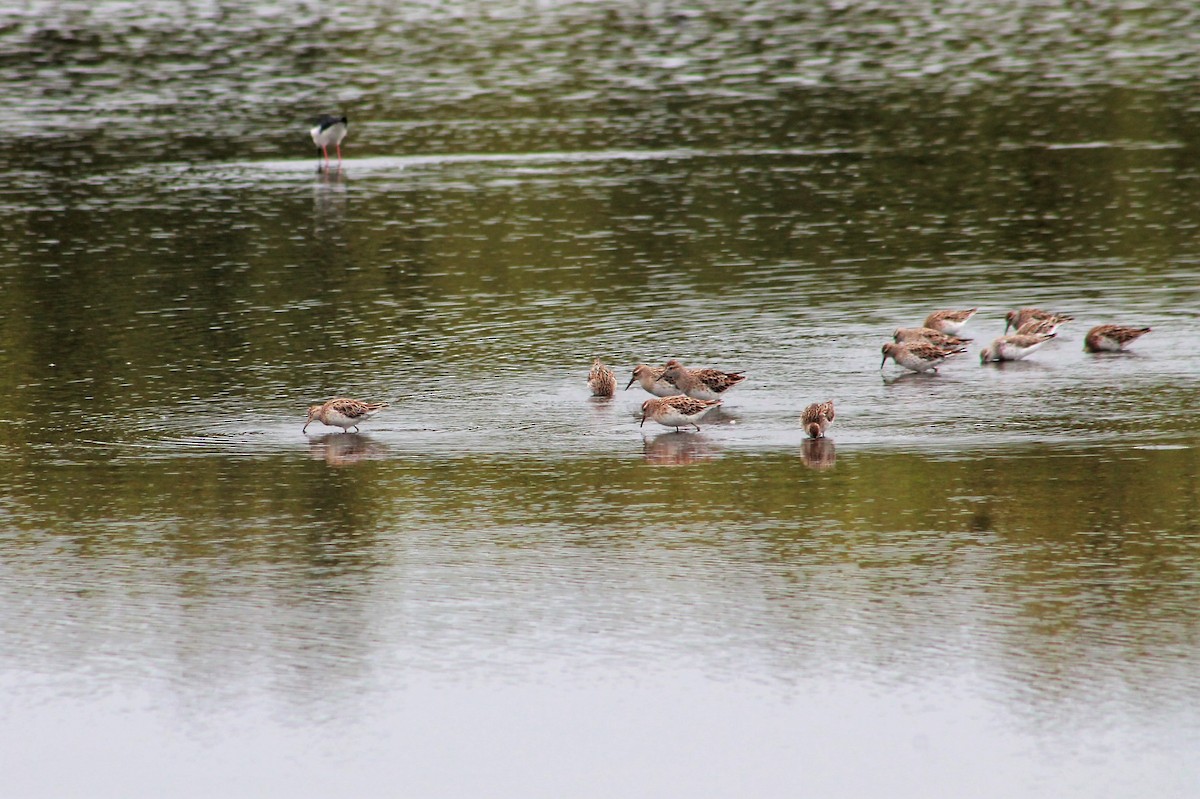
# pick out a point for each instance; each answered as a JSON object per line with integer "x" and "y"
{"x": 345, "y": 449}
{"x": 601, "y": 406}
{"x": 329, "y": 198}
{"x": 818, "y": 453}
{"x": 676, "y": 449}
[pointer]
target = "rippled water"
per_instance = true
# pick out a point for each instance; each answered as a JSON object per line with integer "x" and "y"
{"x": 984, "y": 583}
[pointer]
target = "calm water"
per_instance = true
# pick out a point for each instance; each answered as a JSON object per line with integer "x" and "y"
{"x": 986, "y": 583}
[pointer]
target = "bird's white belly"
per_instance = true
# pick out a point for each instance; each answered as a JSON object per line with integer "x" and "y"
{"x": 918, "y": 364}
{"x": 1009, "y": 352}
{"x": 673, "y": 419}
{"x": 331, "y": 135}
{"x": 336, "y": 419}
{"x": 703, "y": 392}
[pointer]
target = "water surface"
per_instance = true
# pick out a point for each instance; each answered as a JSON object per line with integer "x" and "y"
{"x": 984, "y": 583}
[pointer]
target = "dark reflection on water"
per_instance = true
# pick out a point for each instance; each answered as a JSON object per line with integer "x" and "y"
{"x": 819, "y": 453}
{"x": 678, "y": 449}
{"x": 345, "y": 449}
{"x": 974, "y": 566}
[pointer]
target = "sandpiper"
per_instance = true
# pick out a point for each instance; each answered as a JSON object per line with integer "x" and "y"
{"x": 650, "y": 378}
{"x": 1013, "y": 348}
{"x": 1111, "y": 338}
{"x": 601, "y": 380}
{"x": 1041, "y": 327}
{"x": 949, "y": 321}
{"x": 677, "y": 411}
{"x": 329, "y": 130}
{"x": 904, "y": 335}
{"x": 1015, "y": 319}
{"x": 703, "y": 384}
{"x": 919, "y": 356}
{"x": 816, "y": 418}
{"x": 343, "y": 412}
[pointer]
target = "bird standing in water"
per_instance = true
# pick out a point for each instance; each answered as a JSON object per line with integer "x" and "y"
{"x": 342, "y": 412}
{"x": 329, "y": 130}
{"x": 1111, "y": 338}
{"x": 601, "y": 380}
{"x": 816, "y": 419}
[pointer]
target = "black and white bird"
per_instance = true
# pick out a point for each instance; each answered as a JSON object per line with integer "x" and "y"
{"x": 329, "y": 130}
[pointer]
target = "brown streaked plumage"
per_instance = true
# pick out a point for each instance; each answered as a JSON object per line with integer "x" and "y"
{"x": 650, "y": 378}
{"x": 1041, "y": 327}
{"x": 704, "y": 384}
{"x": 677, "y": 411}
{"x": 1111, "y": 338}
{"x": 601, "y": 380}
{"x": 1012, "y": 348}
{"x": 919, "y": 356}
{"x": 905, "y": 335}
{"x": 342, "y": 412}
{"x": 816, "y": 418}
{"x": 1014, "y": 319}
{"x": 949, "y": 321}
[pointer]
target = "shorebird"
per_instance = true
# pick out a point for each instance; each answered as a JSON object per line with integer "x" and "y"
{"x": 342, "y": 412}
{"x": 601, "y": 380}
{"x": 1013, "y": 348}
{"x": 1041, "y": 327}
{"x": 1111, "y": 338}
{"x": 704, "y": 384}
{"x": 919, "y": 356}
{"x": 650, "y": 378}
{"x": 906, "y": 335}
{"x": 329, "y": 130}
{"x": 816, "y": 419}
{"x": 1015, "y": 319}
{"x": 677, "y": 411}
{"x": 949, "y": 321}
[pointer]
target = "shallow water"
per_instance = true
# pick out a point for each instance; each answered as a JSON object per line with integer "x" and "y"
{"x": 495, "y": 587}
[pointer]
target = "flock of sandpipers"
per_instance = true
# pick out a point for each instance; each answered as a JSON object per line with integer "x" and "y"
{"x": 683, "y": 396}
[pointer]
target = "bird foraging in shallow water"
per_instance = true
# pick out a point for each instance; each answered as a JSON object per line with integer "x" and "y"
{"x": 1015, "y": 319}
{"x": 329, "y": 130}
{"x": 1111, "y": 338}
{"x": 919, "y": 356}
{"x": 1013, "y": 348}
{"x": 816, "y": 419}
{"x": 1047, "y": 326}
{"x": 342, "y": 412}
{"x": 601, "y": 380}
{"x": 650, "y": 378}
{"x": 677, "y": 411}
{"x": 705, "y": 384}
{"x": 950, "y": 322}
{"x": 906, "y": 335}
